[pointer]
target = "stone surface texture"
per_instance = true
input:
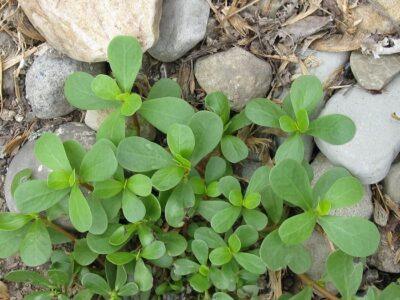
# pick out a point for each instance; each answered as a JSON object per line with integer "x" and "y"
{"x": 363, "y": 209}
{"x": 183, "y": 25}
{"x": 374, "y": 73}
{"x": 25, "y": 157}
{"x": 82, "y": 29}
{"x": 238, "y": 73}
{"x": 45, "y": 82}
{"x": 376, "y": 143}
{"x": 392, "y": 183}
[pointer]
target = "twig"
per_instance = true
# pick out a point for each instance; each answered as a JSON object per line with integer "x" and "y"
{"x": 59, "y": 229}
{"x": 308, "y": 281}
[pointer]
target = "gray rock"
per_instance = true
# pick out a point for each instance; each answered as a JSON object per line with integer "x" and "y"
{"x": 94, "y": 118}
{"x": 183, "y": 24}
{"x": 239, "y": 74}
{"x": 7, "y": 49}
{"x": 376, "y": 143}
{"x": 391, "y": 182}
{"x": 25, "y": 157}
{"x": 386, "y": 257}
{"x": 374, "y": 73}
{"x": 363, "y": 209}
{"x": 308, "y": 145}
{"x": 45, "y": 83}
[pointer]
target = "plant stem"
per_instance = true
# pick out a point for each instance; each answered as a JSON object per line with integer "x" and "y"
{"x": 59, "y": 229}
{"x": 307, "y": 280}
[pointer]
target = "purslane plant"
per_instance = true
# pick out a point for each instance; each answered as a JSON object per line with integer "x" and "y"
{"x": 152, "y": 217}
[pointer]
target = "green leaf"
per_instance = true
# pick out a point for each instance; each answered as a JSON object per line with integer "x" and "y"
{"x": 35, "y": 249}
{"x": 200, "y": 251}
{"x": 258, "y": 181}
{"x": 121, "y": 258}
{"x": 181, "y": 196}
{"x": 227, "y": 184}
{"x": 255, "y": 218}
{"x": 35, "y": 196}
{"x": 180, "y": 140}
{"x": 82, "y": 253}
{"x": 218, "y": 103}
{"x": 175, "y": 243}
{"x": 83, "y": 295}
{"x": 167, "y": 178}
{"x": 272, "y": 204}
{"x": 143, "y": 276}
{"x": 120, "y": 278}
{"x": 100, "y": 243}
{"x": 303, "y": 121}
{"x": 131, "y": 104}
{"x": 140, "y": 185}
{"x": 334, "y": 129}
{"x": 155, "y": 250}
{"x": 287, "y": 124}
{"x": 344, "y": 273}
{"x": 79, "y": 210}
{"x": 165, "y": 87}
{"x": 96, "y": 284}
{"x": 220, "y": 256}
{"x": 392, "y": 291}
{"x": 75, "y": 153}
{"x": 184, "y": 266}
{"x": 163, "y": 112}
{"x": 237, "y": 122}
{"x": 215, "y": 169}
{"x": 277, "y": 255}
{"x": 212, "y": 190}
{"x": 234, "y": 243}
{"x": 13, "y": 221}
{"x": 49, "y": 150}
{"x": 19, "y": 178}
{"x": 199, "y": 283}
{"x": 354, "y": 235}
{"x": 297, "y": 229}
{"x": 306, "y": 92}
{"x": 250, "y": 262}
{"x": 289, "y": 180}
{"x": 105, "y": 87}
{"x": 153, "y": 208}
{"x": 221, "y": 296}
{"x": 305, "y": 294}
{"x": 233, "y": 148}
{"x": 24, "y": 276}
{"x": 140, "y": 155}
{"x": 78, "y": 91}
{"x": 107, "y": 189}
{"x": 292, "y": 148}
{"x": 133, "y": 207}
{"x": 264, "y": 112}
{"x": 112, "y": 128}
{"x": 125, "y": 58}
{"x": 99, "y": 216}
{"x": 10, "y": 241}
{"x": 208, "y": 235}
{"x": 247, "y": 235}
{"x": 99, "y": 163}
{"x": 236, "y": 198}
{"x": 207, "y": 128}
{"x": 128, "y": 289}
{"x": 224, "y": 219}
{"x": 252, "y": 200}
{"x": 325, "y": 182}
{"x": 345, "y": 192}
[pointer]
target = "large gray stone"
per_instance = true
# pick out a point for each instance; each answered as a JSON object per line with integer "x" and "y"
{"x": 183, "y": 24}
{"x": 25, "y": 158}
{"x": 45, "y": 83}
{"x": 392, "y": 182}
{"x": 374, "y": 73}
{"x": 376, "y": 143}
{"x": 236, "y": 72}
{"x": 364, "y": 208}
{"x": 82, "y": 29}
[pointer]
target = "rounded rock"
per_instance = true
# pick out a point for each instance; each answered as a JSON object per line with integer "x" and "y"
{"x": 45, "y": 83}
{"x": 391, "y": 183}
{"x": 236, "y": 72}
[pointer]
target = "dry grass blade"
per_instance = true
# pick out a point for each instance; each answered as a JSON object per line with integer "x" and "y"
{"x": 275, "y": 280}
{"x": 314, "y": 6}
{"x": 4, "y": 291}
{"x": 241, "y": 9}
{"x": 18, "y": 140}
{"x": 1, "y": 86}
{"x": 8, "y": 63}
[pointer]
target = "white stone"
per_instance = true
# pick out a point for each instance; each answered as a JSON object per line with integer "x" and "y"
{"x": 82, "y": 29}
{"x": 183, "y": 25}
{"x": 364, "y": 208}
{"x": 376, "y": 143}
